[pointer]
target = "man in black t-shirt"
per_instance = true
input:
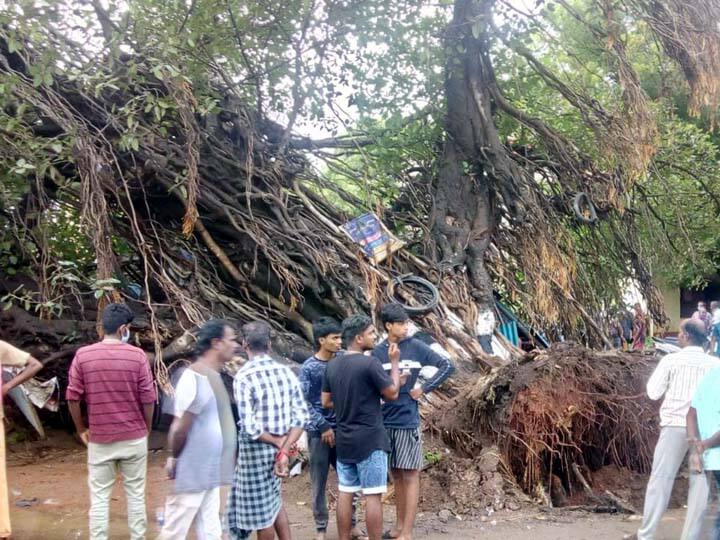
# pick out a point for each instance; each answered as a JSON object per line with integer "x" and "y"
{"x": 353, "y": 385}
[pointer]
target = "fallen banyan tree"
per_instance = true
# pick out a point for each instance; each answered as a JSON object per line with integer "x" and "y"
{"x": 192, "y": 197}
{"x": 206, "y": 216}
{"x": 216, "y": 211}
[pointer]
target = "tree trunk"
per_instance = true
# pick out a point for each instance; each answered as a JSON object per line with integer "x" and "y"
{"x": 475, "y": 171}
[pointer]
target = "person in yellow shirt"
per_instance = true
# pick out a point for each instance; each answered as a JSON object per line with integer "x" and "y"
{"x": 11, "y": 357}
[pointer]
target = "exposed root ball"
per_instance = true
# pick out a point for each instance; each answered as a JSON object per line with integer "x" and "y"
{"x": 562, "y": 407}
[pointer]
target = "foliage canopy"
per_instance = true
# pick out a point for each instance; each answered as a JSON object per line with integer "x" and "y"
{"x": 358, "y": 101}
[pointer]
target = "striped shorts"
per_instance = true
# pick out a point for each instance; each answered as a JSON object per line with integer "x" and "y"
{"x": 405, "y": 448}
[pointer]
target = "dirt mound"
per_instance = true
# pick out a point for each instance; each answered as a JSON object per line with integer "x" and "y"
{"x": 554, "y": 418}
{"x": 467, "y": 486}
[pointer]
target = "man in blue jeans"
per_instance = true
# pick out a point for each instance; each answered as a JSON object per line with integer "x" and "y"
{"x": 353, "y": 385}
{"x": 703, "y": 431}
{"x": 322, "y": 424}
{"x": 402, "y": 417}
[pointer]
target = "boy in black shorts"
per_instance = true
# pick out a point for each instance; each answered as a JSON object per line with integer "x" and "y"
{"x": 402, "y": 418}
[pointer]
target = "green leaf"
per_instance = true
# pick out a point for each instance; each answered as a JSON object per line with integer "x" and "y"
{"x": 98, "y": 294}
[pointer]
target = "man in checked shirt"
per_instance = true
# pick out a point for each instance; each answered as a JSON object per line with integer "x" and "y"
{"x": 272, "y": 415}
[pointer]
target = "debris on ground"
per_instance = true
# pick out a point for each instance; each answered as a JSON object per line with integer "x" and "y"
{"x": 457, "y": 486}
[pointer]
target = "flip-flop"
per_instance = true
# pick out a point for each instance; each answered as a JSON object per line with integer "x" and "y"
{"x": 387, "y": 535}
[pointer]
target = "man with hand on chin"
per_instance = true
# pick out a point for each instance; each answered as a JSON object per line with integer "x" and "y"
{"x": 402, "y": 417}
{"x": 114, "y": 379}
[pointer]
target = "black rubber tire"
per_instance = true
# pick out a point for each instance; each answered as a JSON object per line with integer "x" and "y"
{"x": 583, "y": 199}
{"x": 416, "y": 280}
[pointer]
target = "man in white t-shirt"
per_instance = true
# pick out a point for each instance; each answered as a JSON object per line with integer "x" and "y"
{"x": 202, "y": 439}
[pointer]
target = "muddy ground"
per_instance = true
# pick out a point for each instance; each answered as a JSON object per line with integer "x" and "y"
{"x": 49, "y": 501}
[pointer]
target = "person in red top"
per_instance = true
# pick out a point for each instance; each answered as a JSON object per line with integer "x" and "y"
{"x": 115, "y": 381}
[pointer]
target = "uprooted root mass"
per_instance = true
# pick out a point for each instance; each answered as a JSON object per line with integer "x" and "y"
{"x": 556, "y": 417}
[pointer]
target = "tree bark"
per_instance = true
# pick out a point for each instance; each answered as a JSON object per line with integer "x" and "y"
{"x": 475, "y": 171}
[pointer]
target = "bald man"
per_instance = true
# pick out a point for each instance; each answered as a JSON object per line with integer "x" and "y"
{"x": 676, "y": 377}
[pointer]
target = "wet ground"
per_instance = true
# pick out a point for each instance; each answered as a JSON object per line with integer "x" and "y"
{"x": 49, "y": 501}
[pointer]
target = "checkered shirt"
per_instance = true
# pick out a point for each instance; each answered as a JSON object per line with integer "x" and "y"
{"x": 269, "y": 398}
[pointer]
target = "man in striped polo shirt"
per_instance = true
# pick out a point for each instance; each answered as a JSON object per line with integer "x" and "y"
{"x": 676, "y": 377}
{"x": 114, "y": 380}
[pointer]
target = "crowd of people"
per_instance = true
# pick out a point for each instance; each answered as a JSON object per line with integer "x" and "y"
{"x": 711, "y": 322}
{"x": 629, "y": 331}
{"x": 356, "y": 399}
{"x": 359, "y": 407}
